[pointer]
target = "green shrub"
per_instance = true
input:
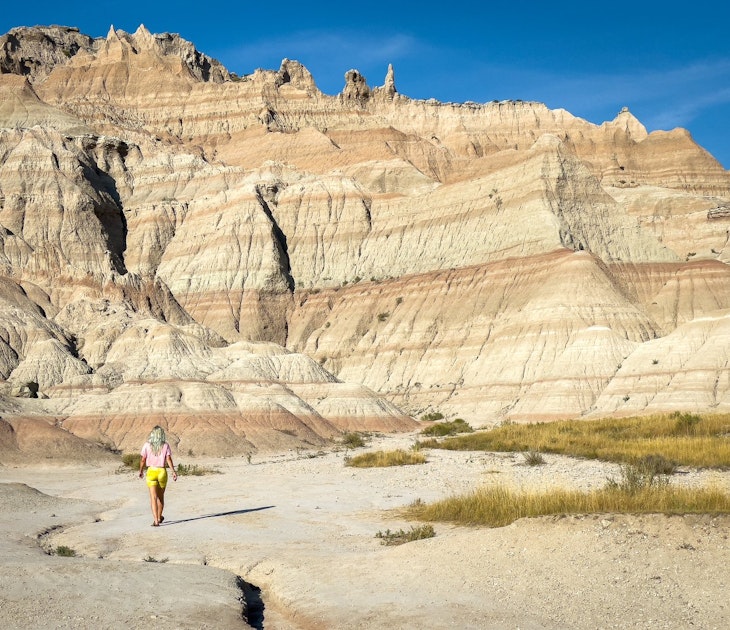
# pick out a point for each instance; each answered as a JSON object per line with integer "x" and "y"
{"x": 65, "y": 552}
{"x": 432, "y": 416}
{"x": 401, "y": 536}
{"x": 447, "y": 428}
{"x": 131, "y": 460}
{"x": 353, "y": 440}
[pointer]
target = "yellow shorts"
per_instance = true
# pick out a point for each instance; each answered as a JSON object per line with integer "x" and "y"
{"x": 156, "y": 476}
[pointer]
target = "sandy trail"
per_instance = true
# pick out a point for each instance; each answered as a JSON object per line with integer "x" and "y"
{"x": 301, "y": 528}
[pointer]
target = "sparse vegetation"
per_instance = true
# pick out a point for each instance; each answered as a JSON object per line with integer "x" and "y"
{"x": 432, "y": 416}
{"x": 681, "y": 438}
{"x": 497, "y": 506}
{"x": 65, "y": 552}
{"x": 647, "y": 473}
{"x": 656, "y": 465}
{"x": 534, "y": 458}
{"x": 379, "y": 459}
{"x": 194, "y": 470}
{"x": 648, "y": 449}
{"x": 401, "y": 536}
{"x": 131, "y": 460}
{"x": 640, "y": 490}
{"x": 451, "y": 427}
{"x": 686, "y": 423}
{"x": 383, "y": 316}
{"x": 353, "y": 440}
{"x": 151, "y": 559}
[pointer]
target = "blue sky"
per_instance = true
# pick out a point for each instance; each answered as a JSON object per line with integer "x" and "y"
{"x": 668, "y": 62}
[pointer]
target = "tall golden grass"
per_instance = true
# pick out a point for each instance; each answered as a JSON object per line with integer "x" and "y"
{"x": 375, "y": 459}
{"x": 497, "y": 506}
{"x": 687, "y": 439}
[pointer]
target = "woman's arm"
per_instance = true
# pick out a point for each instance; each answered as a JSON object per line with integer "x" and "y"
{"x": 142, "y": 462}
{"x": 168, "y": 459}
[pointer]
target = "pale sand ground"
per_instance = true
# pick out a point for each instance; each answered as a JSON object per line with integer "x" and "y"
{"x": 302, "y": 529}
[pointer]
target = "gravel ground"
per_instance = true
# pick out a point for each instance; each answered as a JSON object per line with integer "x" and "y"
{"x": 294, "y": 535}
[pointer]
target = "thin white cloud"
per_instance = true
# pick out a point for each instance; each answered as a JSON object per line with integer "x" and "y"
{"x": 674, "y": 96}
{"x": 681, "y": 114}
{"x": 667, "y": 97}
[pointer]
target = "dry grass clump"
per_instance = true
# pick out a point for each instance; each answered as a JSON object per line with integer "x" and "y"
{"x": 497, "y": 506}
{"x": 683, "y": 438}
{"x": 375, "y": 459}
{"x": 534, "y": 458}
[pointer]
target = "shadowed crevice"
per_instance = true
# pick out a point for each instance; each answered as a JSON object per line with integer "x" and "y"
{"x": 280, "y": 240}
{"x": 253, "y": 605}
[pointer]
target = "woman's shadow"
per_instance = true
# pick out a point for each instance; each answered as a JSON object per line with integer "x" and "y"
{"x": 216, "y": 514}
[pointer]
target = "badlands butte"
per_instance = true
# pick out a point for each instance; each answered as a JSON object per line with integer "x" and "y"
{"x": 258, "y": 265}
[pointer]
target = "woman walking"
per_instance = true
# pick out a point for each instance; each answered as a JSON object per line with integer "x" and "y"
{"x": 157, "y": 455}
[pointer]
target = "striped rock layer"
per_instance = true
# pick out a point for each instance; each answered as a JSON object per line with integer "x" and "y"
{"x": 255, "y": 264}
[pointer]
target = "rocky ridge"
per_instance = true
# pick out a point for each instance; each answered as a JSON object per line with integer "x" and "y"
{"x": 224, "y": 254}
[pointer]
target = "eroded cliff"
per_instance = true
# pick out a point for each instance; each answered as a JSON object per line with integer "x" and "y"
{"x": 247, "y": 260}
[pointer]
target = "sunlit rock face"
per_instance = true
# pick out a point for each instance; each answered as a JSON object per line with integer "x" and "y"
{"x": 256, "y": 264}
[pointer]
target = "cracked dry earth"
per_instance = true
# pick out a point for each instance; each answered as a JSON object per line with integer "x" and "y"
{"x": 288, "y": 541}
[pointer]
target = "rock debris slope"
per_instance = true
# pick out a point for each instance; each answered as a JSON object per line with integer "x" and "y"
{"x": 258, "y": 264}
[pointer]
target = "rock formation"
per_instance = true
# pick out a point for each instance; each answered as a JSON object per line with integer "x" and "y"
{"x": 356, "y": 88}
{"x": 247, "y": 259}
{"x": 34, "y": 52}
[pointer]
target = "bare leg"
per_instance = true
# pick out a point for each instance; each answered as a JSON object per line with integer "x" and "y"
{"x": 155, "y": 504}
{"x": 160, "y": 502}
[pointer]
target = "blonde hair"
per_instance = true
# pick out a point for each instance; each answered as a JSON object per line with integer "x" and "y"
{"x": 157, "y": 439}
